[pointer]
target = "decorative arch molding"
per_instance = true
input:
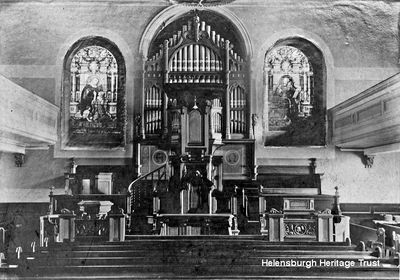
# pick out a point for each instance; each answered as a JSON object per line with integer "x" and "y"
{"x": 61, "y": 151}
{"x": 172, "y": 13}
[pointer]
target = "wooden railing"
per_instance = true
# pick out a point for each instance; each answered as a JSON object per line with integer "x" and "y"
{"x": 140, "y": 186}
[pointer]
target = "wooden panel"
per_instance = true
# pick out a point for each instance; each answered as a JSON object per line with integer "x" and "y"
{"x": 151, "y": 158}
{"x": 195, "y": 128}
{"x": 234, "y": 161}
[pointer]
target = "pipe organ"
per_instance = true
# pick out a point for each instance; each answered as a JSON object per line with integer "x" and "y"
{"x": 196, "y": 61}
{"x": 237, "y": 110}
{"x": 195, "y": 102}
{"x": 153, "y": 110}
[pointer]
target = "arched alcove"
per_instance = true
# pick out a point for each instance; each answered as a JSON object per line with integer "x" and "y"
{"x": 295, "y": 84}
{"x": 94, "y": 94}
{"x": 200, "y": 54}
{"x": 176, "y": 12}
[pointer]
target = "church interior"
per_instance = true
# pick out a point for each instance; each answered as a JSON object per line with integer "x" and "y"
{"x": 199, "y": 139}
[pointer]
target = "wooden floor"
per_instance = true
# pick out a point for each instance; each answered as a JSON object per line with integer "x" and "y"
{"x": 200, "y": 257}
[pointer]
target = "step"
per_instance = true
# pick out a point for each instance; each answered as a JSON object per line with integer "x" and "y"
{"x": 196, "y": 257}
{"x": 156, "y": 245}
{"x": 176, "y": 259}
{"x": 231, "y": 270}
{"x": 194, "y": 251}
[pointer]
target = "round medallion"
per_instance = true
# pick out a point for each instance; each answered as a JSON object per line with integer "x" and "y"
{"x": 232, "y": 157}
{"x": 160, "y": 157}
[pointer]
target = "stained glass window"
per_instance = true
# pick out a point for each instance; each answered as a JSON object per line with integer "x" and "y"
{"x": 95, "y": 95}
{"x": 94, "y": 85}
{"x": 290, "y": 86}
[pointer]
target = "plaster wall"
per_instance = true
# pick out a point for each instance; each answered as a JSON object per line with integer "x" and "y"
{"x": 359, "y": 37}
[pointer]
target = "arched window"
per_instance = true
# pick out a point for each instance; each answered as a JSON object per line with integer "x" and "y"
{"x": 94, "y": 75}
{"x": 294, "y": 84}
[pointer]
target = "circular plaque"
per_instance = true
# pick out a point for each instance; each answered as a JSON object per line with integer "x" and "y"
{"x": 160, "y": 157}
{"x": 232, "y": 157}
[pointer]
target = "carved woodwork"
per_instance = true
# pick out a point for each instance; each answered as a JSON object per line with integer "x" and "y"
{"x": 195, "y": 59}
